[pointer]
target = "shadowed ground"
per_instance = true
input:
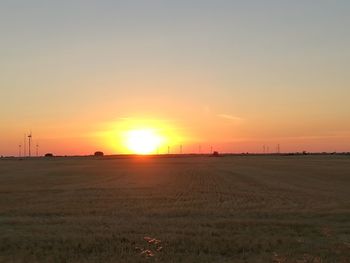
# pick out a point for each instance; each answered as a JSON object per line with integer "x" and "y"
{"x": 195, "y": 209}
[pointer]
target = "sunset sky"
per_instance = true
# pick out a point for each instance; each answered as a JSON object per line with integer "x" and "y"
{"x": 235, "y": 75}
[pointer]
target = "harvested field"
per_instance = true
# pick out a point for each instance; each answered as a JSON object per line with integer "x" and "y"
{"x": 193, "y": 209}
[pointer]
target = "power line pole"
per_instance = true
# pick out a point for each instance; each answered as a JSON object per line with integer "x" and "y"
{"x": 19, "y": 150}
{"x": 181, "y": 149}
{"x": 37, "y": 150}
{"x": 168, "y": 149}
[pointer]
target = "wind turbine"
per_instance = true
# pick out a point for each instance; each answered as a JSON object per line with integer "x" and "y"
{"x": 19, "y": 150}
{"x": 25, "y": 145}
{"x": 29, "y": 143}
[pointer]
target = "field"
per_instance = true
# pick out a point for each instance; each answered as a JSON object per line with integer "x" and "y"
{"x": 193, "y": 209}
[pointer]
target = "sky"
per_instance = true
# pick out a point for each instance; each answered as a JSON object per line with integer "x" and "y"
{"x": 232, "y": 75}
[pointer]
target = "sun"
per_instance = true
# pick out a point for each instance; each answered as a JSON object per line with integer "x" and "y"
{"x": 143, "y": 141}
{"x": 143, "y": 136}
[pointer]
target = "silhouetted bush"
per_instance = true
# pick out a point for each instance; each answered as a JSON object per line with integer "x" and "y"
{"x": 99, "y": 154}
{"x": 49, "y": 155}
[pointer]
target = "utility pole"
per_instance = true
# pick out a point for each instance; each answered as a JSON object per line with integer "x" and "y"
{"x": 181, "y": 149}
{"x": 19, "y": 150}
{"x": 168, "y": 149}
{"x": 37, "y": 150}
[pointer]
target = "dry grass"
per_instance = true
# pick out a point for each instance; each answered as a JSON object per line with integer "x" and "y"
{"x": 200, "y": 209}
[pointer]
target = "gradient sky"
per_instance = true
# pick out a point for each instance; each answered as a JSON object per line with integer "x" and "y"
{"x": 233, "y": 74}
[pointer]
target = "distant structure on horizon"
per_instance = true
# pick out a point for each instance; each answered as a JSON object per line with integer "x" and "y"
{"x": 25, "y": 145}
{"x": 29, "y": 144}
{"x": 99, "y": 154}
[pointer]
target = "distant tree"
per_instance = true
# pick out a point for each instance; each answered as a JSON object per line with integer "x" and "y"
{"x": 216, "y": 154}
{"x": 99, "y": 154}
{"x": 49, "y": 155}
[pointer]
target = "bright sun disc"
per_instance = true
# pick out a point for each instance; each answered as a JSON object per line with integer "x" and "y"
{"x": 143, "y": 141}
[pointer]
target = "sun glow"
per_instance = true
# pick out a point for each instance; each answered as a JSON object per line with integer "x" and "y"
{"x": 142, "y": 136}
{"x": 143, "y": 141}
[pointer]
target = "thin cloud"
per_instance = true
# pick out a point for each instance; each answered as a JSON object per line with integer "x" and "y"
{"x": 229, "y": 117}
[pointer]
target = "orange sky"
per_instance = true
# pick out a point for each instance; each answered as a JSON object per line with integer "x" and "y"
{"x": 227, "y": 74}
